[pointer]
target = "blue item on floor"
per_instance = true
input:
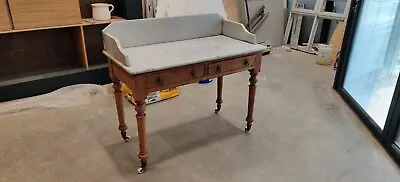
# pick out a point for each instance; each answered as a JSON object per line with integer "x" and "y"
{"x": 205, "y": 81}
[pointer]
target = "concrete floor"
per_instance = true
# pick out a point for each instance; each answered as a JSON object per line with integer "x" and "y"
{"x": 303, "y": 132}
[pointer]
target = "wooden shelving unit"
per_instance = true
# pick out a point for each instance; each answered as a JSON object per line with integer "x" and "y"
{"x": 65, "y": 49}
{"x": 78, "y": 37}
{"x": 85, "y": 22}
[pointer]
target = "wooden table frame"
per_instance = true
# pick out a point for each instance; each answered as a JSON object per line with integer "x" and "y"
{"x": 143, "y": 84}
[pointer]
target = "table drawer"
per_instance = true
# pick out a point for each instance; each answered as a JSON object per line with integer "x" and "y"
{"x": 231, "y": 65}
{"x": 167, "y": 77}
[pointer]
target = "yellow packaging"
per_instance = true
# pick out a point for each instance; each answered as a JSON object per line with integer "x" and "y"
{"x": 152, "y": 97}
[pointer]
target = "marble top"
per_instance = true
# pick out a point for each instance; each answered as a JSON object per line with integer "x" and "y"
{"x": 147, "y": 45}
{"x": 156, "y": 57}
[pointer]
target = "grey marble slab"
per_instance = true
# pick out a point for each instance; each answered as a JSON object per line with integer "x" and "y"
{"x": 141, "y": 46}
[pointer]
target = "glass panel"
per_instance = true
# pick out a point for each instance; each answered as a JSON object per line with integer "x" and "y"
{"x": 308, "y": 4}
{"x": 338, "y": 6}
{"x": 374, "y": 62}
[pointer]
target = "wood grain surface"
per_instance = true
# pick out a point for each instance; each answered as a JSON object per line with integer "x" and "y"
{"x": 37, "y": 52}
{"x": 43, "y": 13}
{"x": 4, "y": 18}
{"x": 220, "y": 82}
{"x": 94, "y": 44}
{"x": 167, "y": 77}
{"x": 232, "y": 9}
{"x": 231, "y": 65}
{"x": 81, "y": 47}
{"x": 336, "y": 41}
{"x": 145, "y": 83}
{"x": 90, "y": 21}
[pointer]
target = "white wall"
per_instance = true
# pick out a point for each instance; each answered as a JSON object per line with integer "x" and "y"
{"x": 270, "y": 32}
{"x": 273, "y": 28}
{"x": 170, "y": 8}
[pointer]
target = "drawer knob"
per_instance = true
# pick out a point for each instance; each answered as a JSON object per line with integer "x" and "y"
{"x": 219, "y": 69}
{"x": 159, "y": 81}
{"x": 193, "y": 73}
{"x": 246, "y": 62}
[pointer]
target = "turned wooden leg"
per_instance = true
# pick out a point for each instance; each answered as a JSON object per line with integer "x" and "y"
{"x": 141, "y": 127}
{"x": 220, "y": 81}
{"x": 252, "y": 96}
{"x": 120, "y": 109}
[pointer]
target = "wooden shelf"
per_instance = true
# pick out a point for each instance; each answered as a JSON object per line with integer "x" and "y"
{"x": 98, "y": 66}
{"x": 37, "y": 75}
{"x": 38, "y": 51}
{"x": 41, "y": 28}
{"x": 90, "y": 21}
{"x": 85, "y": 22}
{"x": 52, "y": 48}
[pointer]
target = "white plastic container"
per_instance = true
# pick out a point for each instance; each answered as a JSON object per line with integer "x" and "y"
{"x": 324, "y": 54}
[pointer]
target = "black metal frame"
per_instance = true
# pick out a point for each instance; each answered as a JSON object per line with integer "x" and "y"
{"x": 393, "y": 124}
{"x": 386, "y": 136}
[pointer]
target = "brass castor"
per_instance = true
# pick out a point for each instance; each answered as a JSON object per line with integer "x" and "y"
{"x": 248, "y": 127}
{"x": 142, "y": 168}
{"x": 125, "y": 137}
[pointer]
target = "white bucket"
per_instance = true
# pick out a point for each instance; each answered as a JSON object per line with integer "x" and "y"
{"x": 324, "y": 54}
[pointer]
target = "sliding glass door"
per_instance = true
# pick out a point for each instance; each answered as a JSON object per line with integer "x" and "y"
{"x": 368, "y": 74}
{"x": 375, "y": 60}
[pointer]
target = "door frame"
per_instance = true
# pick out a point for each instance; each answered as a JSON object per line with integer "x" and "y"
{"x": 386, "y": 136}
{"x": 392, "y": 127}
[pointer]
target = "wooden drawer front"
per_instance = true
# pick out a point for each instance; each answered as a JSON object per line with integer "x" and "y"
{"x": 231, "y": 65}
{"x": 44, "y": 13}
{"x": 4, "y": 19}
{"x": 165, "y": 78}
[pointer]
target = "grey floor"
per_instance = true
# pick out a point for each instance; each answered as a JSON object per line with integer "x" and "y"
{"x": 303, "y": 132}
